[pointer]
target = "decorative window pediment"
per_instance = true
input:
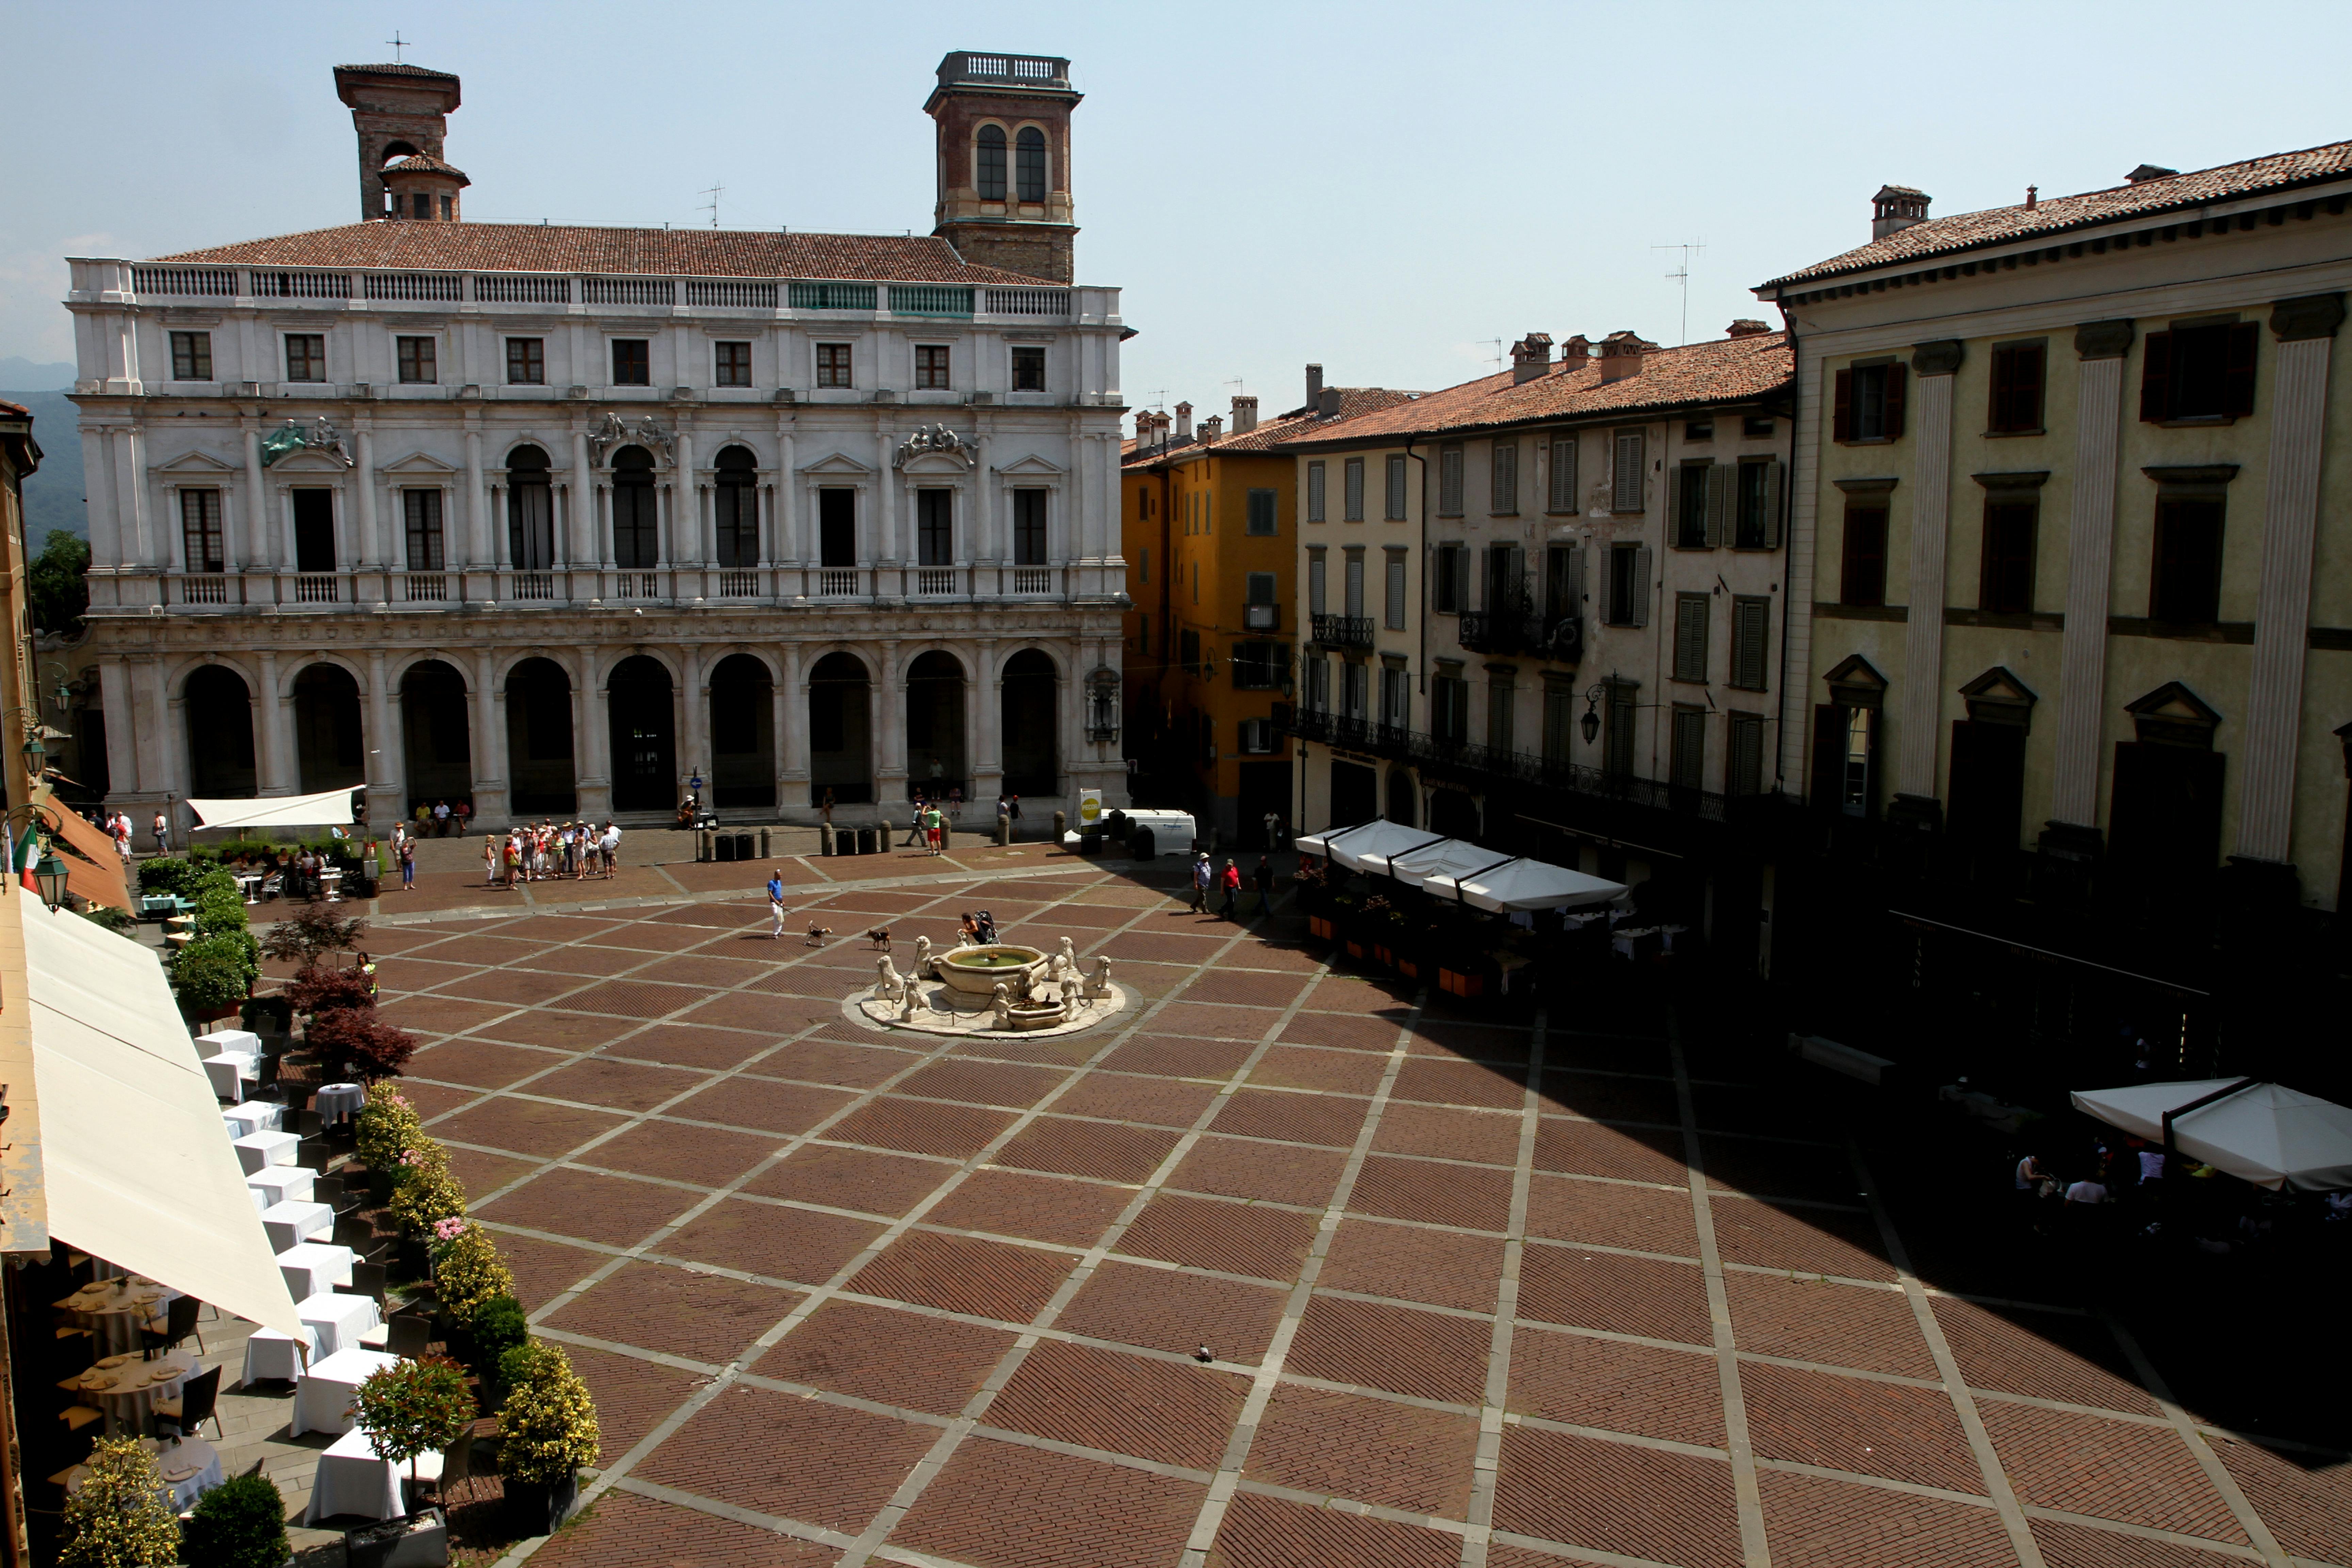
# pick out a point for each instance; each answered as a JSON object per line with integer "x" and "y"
{"x": 837, "y": 464}
{"x": 1854, "y": 683}
{"x": 195, "y": 465}
{"x": 418, "y": 464}
{"x": 1997, "y": 696}
{"x": 1032, "y": 466}
{"x": 310, "y": 462}
{"x": 2172, "y": 715}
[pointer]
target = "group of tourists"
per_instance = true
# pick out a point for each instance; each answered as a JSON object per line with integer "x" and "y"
{"x": 548, "y": 852}
{"x": 1206, "y": 876}
{"x": 441, "y": 819}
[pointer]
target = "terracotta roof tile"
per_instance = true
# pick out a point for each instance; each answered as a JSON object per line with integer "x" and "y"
{"x": 421, "y": 164}
{"x": 676, "y": 252}
{"x": 1282, "y": 428}
{"x": 1967, "y": 231}
{"x": 403, "y": 70}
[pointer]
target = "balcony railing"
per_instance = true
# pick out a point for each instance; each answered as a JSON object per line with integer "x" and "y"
{"x": 318, "y": 589}
{"x": 1033, "y": 580}
{"x": 1522, "y": 632}
{"x": 534, "y": 584}
{"x": 421, "y": 587}
{"x": 739, "y": 584}
{"x": 934, "y": 582}
{"x": 1344, "y": 631}
{"x": 837, "y": 583}
{"x": 203, "y": 590}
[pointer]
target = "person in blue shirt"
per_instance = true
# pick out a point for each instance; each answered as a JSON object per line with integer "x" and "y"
{"x": 776, "y": 904}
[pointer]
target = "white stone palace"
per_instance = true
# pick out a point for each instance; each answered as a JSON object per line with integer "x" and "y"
{"x": 552, "y": 519}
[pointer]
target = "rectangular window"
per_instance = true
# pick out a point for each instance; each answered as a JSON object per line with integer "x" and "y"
{"x": 1501, "y": 697}
{"x": 1561, "y": 497}
{"x": 1029, "y": 531}
{"x": 1690, "y": 505}
{"x": 1260, "y": 665}
{"x": 1318, "y": 684}
{"x": 1315, "y": 583}
{"x": 191, "y": 356}
{"x": 1355, "y": 585}
{"x": 1862, "y": 576}
{"x": 2187, "y": 586}
{"x": 305, "y": 356}
{"x": 1687, "y": 756}
{"x": 1559, "y": 718}
{"x": 1396, "y": 688}
{"x": 1690, "y": 636}
{"x": 420, "y": 206}
{"x": 2005, "y": 583}
{"x": 735, "y": 512}
{"x": 1449, "y": 707}
{"x": 1625, "y": 488}
{"x": 526, "y": 362}
{"x": 1258, "y": 587}
{"x": 1028, "y": 368}
{"x": 2016, "y": 397}
{"x": 1503, "y": 478}
{"x": 1315, "y": 491}
{"x": 199, "y": 530}
{"x": 2199, "y": 373}
{"x": 930, "y": 367}
{"x": 1257, "y": 737}
{"x": 420, "y": 510}
{"x": 1868, "y": 403}
{"x": 833, "y": 365}
{"x": 1699, "y": 430}
{"x": 632, "y": 363}
{"x": 1449, "y": 480}
{"x": 1395, "y": 596}
{"x": 1355, "y": 491}
{"x": 416, "y": 361}
{"x": 1188, "y": 651}
{"x": 836, "y": 526}
{"x": 1395, "y": 510}
{"x": 1743, "y": 771}
{"x": 1261, "y": 512}
{"x": 935, "y": 526}
{"x": 1505, "y": 589}
{"x": 1759, "y": 427}
{"x": 1751, "y": 634}
{"x": 1629, "y": 586}
{"x": 1755, "y": 526}
{"x": 1445, "y": 579}
{"x": 731, "y": 365}
{"x": 314, "y": 530}
{"x": 1357, "y": 693}
{"x": 1562, "y": 593}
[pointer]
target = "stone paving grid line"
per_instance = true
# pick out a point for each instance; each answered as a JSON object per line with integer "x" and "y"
{"x": 2257, "y": 1530}
{"x": 1486, "y": 1465}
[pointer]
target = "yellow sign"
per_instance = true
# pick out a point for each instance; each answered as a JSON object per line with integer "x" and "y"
{"x": 1089, "y": 805}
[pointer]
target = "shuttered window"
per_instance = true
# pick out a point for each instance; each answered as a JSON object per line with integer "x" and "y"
{"x": 1396, "y": 488}
{"x": 1445, "y": 579}
{"x": 1355, "y": 584}
{"x": 1503, "y": 494}
{"x": 2016, "y": 392}
{"x": 1743, "y": 772}
{"x": 1315, "y": 575}
{"x": 1355, "y": 495}
{"x": 1629, "y": 586}
{"x": 199, "y": 530}
{"x": 1500, "y": 699}
{"x": 1867, "y": 402}
{"x": 1751, "y": 632}
{"x": 421, "y": 510}
{"x": 1315, "y": 492}
{"x": 1562, "y": 588}
{"x": 1686, "y": 504}
{"x": 1562, "y": 494}
{"x": 1395, "y": 595}
{"x": 1626, "y": 487}
{"x": 2199, "y": 373}
{"x": 1261, "y": 512}
{"x": 1449, "y": 480}
{"x": 1756, "y": 524}
{"x": 1690, "y": 636}
{"x": 1687, "y": 756}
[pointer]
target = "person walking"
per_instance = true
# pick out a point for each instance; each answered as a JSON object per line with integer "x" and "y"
{"x": 1005, "y": 818}
{"x": 776, "y": 904}
{"x": 939, "y": 822}
{"x": 162, "y": 833}
{"x": 609, "y": 847}
{"x": 1263, "y": 878}
{"x": 1202, "y": 873}
{"x": 914, "y": 823}
{"x": 406, "y": 854}
{"x": 1229, "y": 880}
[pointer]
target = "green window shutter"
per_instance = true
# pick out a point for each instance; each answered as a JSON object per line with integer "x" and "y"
{"x": 1641, "y": 605}
{"x": 1752, "y": 630}
{"x": 1773, "y": 487}
{"x": 1718, "y": 502}
{"x": 1563, "y": 475}
{"x": 1690, "y": 636}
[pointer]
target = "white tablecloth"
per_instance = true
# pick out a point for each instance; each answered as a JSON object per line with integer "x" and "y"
{"x": 336, "y": 1101}
{"x": 272, "y": 1354}
{"x": 352, "y": 1481}
{"x": 256, "y": 1150}
{"x": 253, "y": 1116}
{"x": 221, "y": 1040}
{"x": 337, "y": 1319}
{"x": 322, "y": 1401}
{"x": 230, "y": 1072}
{"x": 296, "y": 1221}
{"x": 283, "y": 1184}
{"x": 126, "y": 1387}
{"x": 313, "y": 1267}
{"x": 191, "y": 1468}
{"x": 114, "y": 1319}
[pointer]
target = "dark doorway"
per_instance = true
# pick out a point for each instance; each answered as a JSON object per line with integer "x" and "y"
{"x": 841, "y": 749}
{"x": 2165, "y": 818}
{"x": 645, "y": 739}
{"x": 1264, "y": 787}
{"x": 1404, "y": 799}
{"x": 1029, "y": 724}
{"x": 1988, "y": 795}
{"x": 97, "y": 776}
{"x": 220, "y": 735}
{"x": 1355, "y": 794}
{"x": 1454, "y": 813}
{"x": 436, "y": 751}
{"x": 742, "y": 733}
{"x": 540, "y": 764}
{"x": 530, "y": 512}
{"x": 636, "y": 528}
{"x": 935, "y": 758}
{"x": 314, "y": 530}
{"x": 836, "y": 527}
{"x": 327, "y": 733}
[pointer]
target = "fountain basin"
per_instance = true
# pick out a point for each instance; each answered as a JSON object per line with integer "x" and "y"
{"x": 979, "y": 971}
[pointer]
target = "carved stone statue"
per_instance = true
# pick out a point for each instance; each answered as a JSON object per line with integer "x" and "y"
{"x": 889, "y": 985}
{"x": 615, "y": 431}
{"x": 937, "y": 438}
{"x": 1099, "y": 985}
{"x": 1069, "y": 955}
{"x": 1001, "y": 1007}
{"x": 906, "y": 1003}
{"x": 923, "y": 969}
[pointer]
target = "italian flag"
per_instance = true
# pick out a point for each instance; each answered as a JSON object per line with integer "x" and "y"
{"x": 28, "y": 855}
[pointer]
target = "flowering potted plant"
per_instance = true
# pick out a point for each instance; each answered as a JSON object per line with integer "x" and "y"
{"x": 387, "y": 1128}
{"x": 468, "y": 1272}
{"x": 414, "y": 1407}
{"x": 546, "y": 1431}
{"x": 121, "y": 1515}
{"x": 423, "y": 1195}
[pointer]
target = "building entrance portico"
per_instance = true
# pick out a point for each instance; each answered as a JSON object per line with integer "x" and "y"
{"x": 329, "y": 744}
{"x": 640, "y": 698}
{"x": 936, "y": 758}
{"x": 541, "y": 768}
{"x": 437, "y": 750}
{"x": 840, "y": 743}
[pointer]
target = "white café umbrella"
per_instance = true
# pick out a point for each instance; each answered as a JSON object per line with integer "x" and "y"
{"x": 327, "y": 807}
{"x": 1447, "y": 858}
{"x": 1349, "y": 846}
{"x": 1524, "y": 885}
{"x": 2265, "y": 1133}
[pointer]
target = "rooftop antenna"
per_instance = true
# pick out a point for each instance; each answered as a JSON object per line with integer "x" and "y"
{"x": 713, "y": 193}
{"x": 398, "y": 44}
{"x": 1238, "y": 384}
{"x": 1682, "y": 275}
{"x": 1499, "y": 351}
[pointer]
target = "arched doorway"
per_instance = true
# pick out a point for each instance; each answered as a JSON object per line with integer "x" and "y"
{"x": 841, "y": 752}
{"x": 645, "y": 742}
{"x": 327, "y": 733}
{"x": 935, "y": 760}
{"x": 1403, "y": 798}
{"x": 540, "y": 764}
{"x": 1454, "y": 813}
{"x": 220, "y": 735}
{"x": 742, "y": 733}
{"x": 1031, "y": 724}
{"x": 436, "y": 741}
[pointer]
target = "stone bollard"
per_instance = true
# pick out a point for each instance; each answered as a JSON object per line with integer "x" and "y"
{"x": 702, "y": 850}
{"x": 1061, "y": 825}
{"x": 1004, "y": 830}
{"x": 765, "y": 852}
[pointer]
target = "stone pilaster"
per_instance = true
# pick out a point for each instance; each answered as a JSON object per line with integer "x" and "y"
{"x": 1923, "y": 650}
{"x": 2090, "y": 566}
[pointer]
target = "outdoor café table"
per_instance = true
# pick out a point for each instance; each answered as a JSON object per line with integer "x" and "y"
{"x": 191, "y": 1468}
{"x": 228, "y": 1071}
{"x": 272, "y": 1354}
{"x": 322, "y": 1397}
{"x": 252, "y": 1116}
{"x": 219, "y": 1040}
{"x": 126, "y": 1387}
{"x": 334, "y": 1102}
{"x": 337, "y": 1319}
{"x": 296, "y": 1221}
{"x": 114, "y": 1317}
{"x": 352, "y": 1481}
{"x": 332, "y": 881}
{"x": 314, "y": 1267}
{"x": 248, "y": 883}
{"x": 283, "y": 1184}
{"x": 256, "y": 1150}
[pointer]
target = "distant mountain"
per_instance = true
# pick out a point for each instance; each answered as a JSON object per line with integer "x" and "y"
{"x": 15, "y": 372}
{"x": 53, "y": 496}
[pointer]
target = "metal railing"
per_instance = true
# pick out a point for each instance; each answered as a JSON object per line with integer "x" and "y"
{"x": 203, "y": 590}
{"x": 934, "y": 581}
{"x": 318, "y": 589}
{"x": 1343, "y": 631}
{"x": 534, "y": 584}
{"x": 1033, "y": 580}
{"x": 837, "y": 583}
{"x": 424, "y": 587}
{"x": 739, "y": 584}
{"x": 930, "y": 300}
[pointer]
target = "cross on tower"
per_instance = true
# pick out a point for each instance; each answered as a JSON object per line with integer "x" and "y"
{"x": 398, "y": 44}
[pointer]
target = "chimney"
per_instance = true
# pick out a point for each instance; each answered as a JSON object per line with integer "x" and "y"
{"x": 1245, "y": 414}
{"x": 2146, "y": 171}
{"x": 1183, "y": 422}
{"x": 1896, "y": 207}
{"x": 1314, "y": 386}
{"x": 1159, "y": 430}
{"x": 1211, "y": 427}
{"x": 1530, "y": 358}
{"x": 1621, "y": 355}
{"x": 2032, "y": 192}
{"x": 1746, "y": 327}
{"x": 1326, "y": 403}
{"x": 1575, "y": 353}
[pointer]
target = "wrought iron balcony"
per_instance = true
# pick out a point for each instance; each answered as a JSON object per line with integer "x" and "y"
{"x": 1343, "y": 631}
{"x": 1522, "y": 632}
{"x": 1261, "y": 617}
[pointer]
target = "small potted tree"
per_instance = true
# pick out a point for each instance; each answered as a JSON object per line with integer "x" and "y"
{"x": 547, "y": 1431}
{"x": 388, "y": 1128}
{"x": 407, "y": 1410}
{"x": 468, "y": 1275}
{"x": 423, "y": 1195}
{"x": 213, "y": 974}
{"x": 240, "y": 1523}
{"x": 121, "y": 1515}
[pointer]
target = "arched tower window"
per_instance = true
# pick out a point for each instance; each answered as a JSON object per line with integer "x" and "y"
{"x": 988, "y": 174}
{"x": 1029, "y": 150}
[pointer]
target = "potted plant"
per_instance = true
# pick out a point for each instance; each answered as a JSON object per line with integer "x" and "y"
{"x": 414, "y": 1407}
{"x": 121, "y": 1516}
{"x": 213, "y": 974}
{"x": 240, "y": 1523}
{"x": 498, "y": 1326}
{"x": 386, "y": 1128}
{"x": 423, "y": 1195}
{"x": 419, "y": 1539}
{"x": 547, "y": 1431}
{"x": 467, "y": 1273}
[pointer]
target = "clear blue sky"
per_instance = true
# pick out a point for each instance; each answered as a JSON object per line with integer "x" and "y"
{"x": 1380, "y": 187}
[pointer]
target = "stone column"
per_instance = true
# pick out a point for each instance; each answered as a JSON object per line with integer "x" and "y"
{"x": 279, "y": 770}
{"x": 685, "y": 507}
{"x": 121, "y": 729}
{"x": 988, "y": 696}
{"x": 579, "y": 551}
{"x": 2090, "y": 568}
{"x": 1922, "y": 698}
{"x": 791, "y": 729}
{"x": 489, "y": 743}
{"x": 386, "y": 764}
{"x": 477, "y": 521}
{"x": 153, "y": 712}
{"x": 694, "y": 691}
{"x": 374, "y": 550}
{"x": 260, "y": 544}
{"x": 886, "y": 537}
{"x": 595, "y": 744}
{"x": 984, "y": 511}
{"x": 1069, "y": 715}
{"x": 2306, "y": 329}
{"x": 787, "y": 546}
{"x": 890, "y": 721}
{"x": 130, "y": 485}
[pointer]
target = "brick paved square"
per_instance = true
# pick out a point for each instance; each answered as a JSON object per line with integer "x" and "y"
{"x": 702, "y": 1317}
{"x": 626, "y": 1530}
{"x": 559, "y": 1031}
{"x": 1229, "y": 1238}
{"x": 1611, "y": 1214}
{"x": 1767, "y": 1169}
{"x": 1042, "y": 1208}
{"x": 1102, "y": 1149}
{"x": 1806, "y": 1238}
{"x": 2066, "y": 1545}
{"x": 917, "y": 1126}
{"x": 2045, "y": 1355}
{"x": 1475, "y": 1197}
{"x": 1613, "y": 1497}
{"x": 587, "y": 962}
{"x": 526, "y": 1126}
{"x": 894, "y": 1357}
{"x": 1290, "y": 958}
{"x": 839, "y": 1062}
{"x": 1640, "y": 1296}
{"x": 509, "y": 987}
{"x": 1165, "y": 1102}
{"x": 1353, "y": 993}
{"x": 1275, "y": 1532}
{"x": 886, "y": 1184}
{"x": 802, "y": 1458}
{"x": 479, "y": 1172}
{"x": 480, "y": 1064}
{"x": 1373, "y": 1035}
{"x": 618, "y": 1085}
{"x": 1164, "y": 1309}
{"x": 1370, "y": 1450}
{"x": 1274, "y": 1172}
{"x": 1246, "y": 987}
{"x": 776, "y": 1108}
{"x": 981, "y": 1083}
{"x": 1214, "y": 1022}
{"x": 1157, "y": 947}
{"x": 545, "y": 1269}
{"x": 633, "y": 1396}
{"x": 799, "y": 1244}
{"x": 1175, "y": 1412}
{"x": 1676, "y": 1395}
{"x": 959, "y": 1273}
{"x": 1612, "y": 1097}
{"x": 1440, "y": 1268}
{"x": 1812, "y": 1522}
{"x": 711, "y": 969}
{"x": 1506, "y": 1046}
{"x": 1312, "y": 1067}
{"x": 2106, "y": 1469}
{"x": 1626, "y": 1153}
{"x": 1449, "y": 1132}
{"x": 998, "y": 1505}
{"x": 1839, "y": 1325}
{"x": 653, "y": 937}
{"x": 686, "y": 1045}
{"x": 432, "y": 1099}
{"x": 1404, "y": 1350}
{"x": 633, "y": 998}
{"x": 2307, "y": 1504}
{"x": 1175, "y": 1056}
{"x": 1873, "y": 1428}
{"x": 609, "y": 1209}
{"x": 760, "y": 1010}
{"x": 1285, "y": 1114}
{"x": 1443, "y": 1081}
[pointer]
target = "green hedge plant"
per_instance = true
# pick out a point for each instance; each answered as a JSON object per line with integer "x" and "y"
{"x": 240, "y": 1523}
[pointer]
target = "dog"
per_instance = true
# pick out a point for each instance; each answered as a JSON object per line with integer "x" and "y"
{"x": 880, "y": 937}
{"x": 816, "y": 935}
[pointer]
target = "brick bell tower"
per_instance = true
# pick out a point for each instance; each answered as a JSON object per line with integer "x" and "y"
{"x": 401, "y": 111}
{"x": 1004, "y": 161}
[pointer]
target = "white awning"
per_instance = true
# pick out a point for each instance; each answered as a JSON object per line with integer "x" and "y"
{"x": 1447, "y": 858}
{"x": 2264, "y": 1134}
{"x": 136, "y": 1161}
{"x": 1369, "y": 847}
{"x": 1525, "y": 885}
{"x": 333, "y": 805}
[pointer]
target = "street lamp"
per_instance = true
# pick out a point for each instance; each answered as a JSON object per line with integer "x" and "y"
{"x": 50, "y": 875}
